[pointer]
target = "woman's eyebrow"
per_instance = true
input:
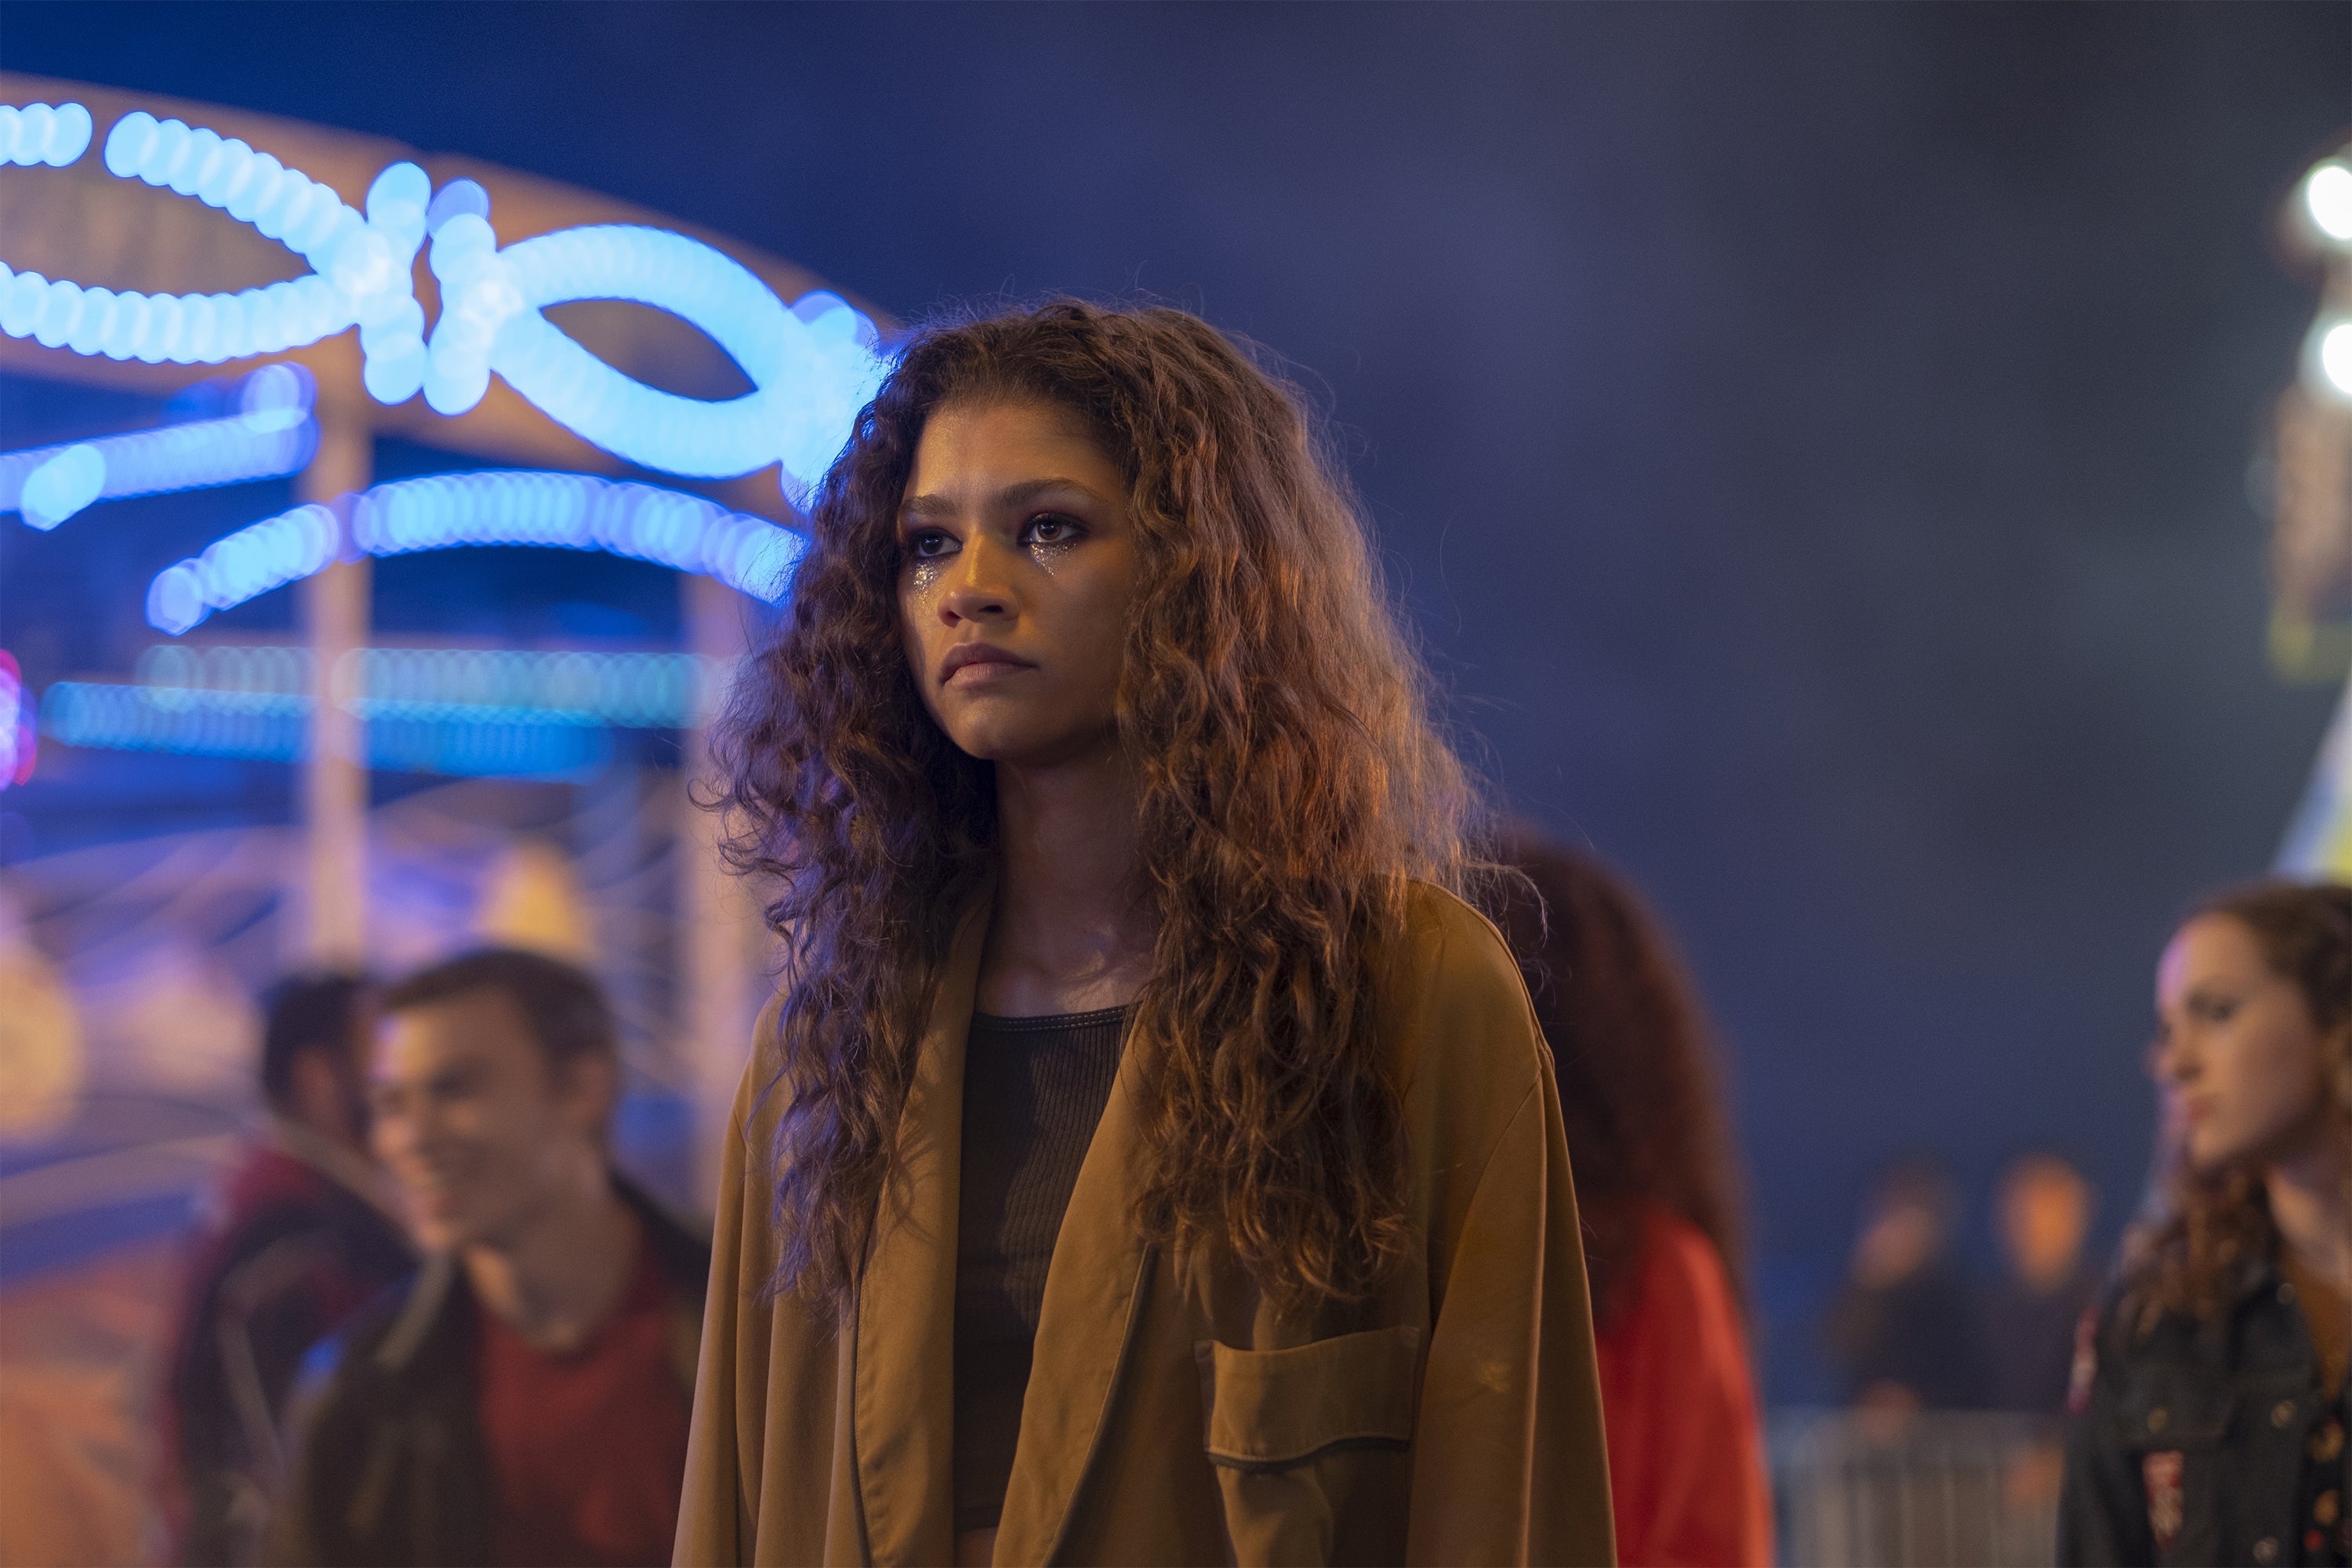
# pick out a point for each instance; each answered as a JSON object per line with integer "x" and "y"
{"x": 1028, "y": 490}
{"x": 1010, "y": 498}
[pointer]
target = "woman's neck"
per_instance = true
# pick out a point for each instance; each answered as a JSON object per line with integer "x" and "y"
{"x": 2309, "y": 1206}
{"x": 1072, "y": 930}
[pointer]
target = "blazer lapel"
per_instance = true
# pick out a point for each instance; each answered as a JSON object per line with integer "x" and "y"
{"x": 904, "y": 1402}
{"x": 1094, "y": 1297}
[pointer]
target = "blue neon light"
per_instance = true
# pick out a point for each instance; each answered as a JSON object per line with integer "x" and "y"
{"x": 571, "y": 512}
{"x": 636, "y": 690}
{"x": 63, "y": 485}
{"x": 55, "y": 134}
{"x": 271, "y": 727}
{"x": 812, "y": 365}
{"x": 576, "y": 512}
{"x": 252, "y": 560}
{"x": 362, "y": 273}
{"x": 272, "y": 434}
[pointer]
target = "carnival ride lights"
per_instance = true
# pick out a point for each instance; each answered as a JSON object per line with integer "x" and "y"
{"x": 571, "y": 512}
{"x": 630, "y": 689}
{"x": 2327, "y": 199}
{"x": 17, "y": 741}
{"x": 43, "y": 133}
{"x": 357, "y": 259}
{"x": 812, "y": 365}
{"x": 265, "y": 727}
{"x": 464, "y": 711}
{"x": 2328, "y": 209}
{"x": 2330, "y": 353}
{"x": 270, "y": 435}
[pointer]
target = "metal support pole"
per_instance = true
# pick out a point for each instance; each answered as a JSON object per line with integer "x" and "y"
{"x": 722, "y": 930}
{"x": 334, "y": 773}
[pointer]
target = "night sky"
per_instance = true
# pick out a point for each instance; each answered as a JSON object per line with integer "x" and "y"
{"x": 1814, "y": 441}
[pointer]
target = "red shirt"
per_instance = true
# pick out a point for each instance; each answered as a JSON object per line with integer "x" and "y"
{"x": 587, "y": 1446}
{"x": 1686, "y": 1454}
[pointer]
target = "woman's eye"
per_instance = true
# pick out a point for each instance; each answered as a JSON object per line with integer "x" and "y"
{"x": 929, "y": 544}
{"x": 1051, "y": 530}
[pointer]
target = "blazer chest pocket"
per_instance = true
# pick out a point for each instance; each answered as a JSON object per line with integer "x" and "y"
{"x": 2171, "y": 1422}
{"x": 1310, "y": 1444}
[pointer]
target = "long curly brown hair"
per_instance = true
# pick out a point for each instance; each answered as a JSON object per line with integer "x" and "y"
{"x": 1292, "y": 782}
{"x": 1636, "y": 1059}
{"x": 2209, "y": 1224}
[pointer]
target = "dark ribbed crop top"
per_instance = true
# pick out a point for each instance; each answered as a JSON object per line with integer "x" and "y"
{"x": 1034, "y": 1090}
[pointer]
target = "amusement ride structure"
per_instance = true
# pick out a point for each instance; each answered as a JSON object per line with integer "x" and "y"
{"x": 295, "y": 291}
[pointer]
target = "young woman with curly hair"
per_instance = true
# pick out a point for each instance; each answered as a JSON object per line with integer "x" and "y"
{"x": 2212, "y": 1426}
{"x": 1147, "y": 1155}
{"x": 1658, "y": 1187}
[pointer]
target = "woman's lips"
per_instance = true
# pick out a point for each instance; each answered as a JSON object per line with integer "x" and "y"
{"x": 976, "y": 664}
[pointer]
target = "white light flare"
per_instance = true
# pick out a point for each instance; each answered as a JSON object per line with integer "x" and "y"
{"x": 2334, "y": 354}
{"x": 2327, "y": 200}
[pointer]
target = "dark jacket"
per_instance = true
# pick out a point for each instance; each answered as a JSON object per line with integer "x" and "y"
{"x": 2190, "y": 1447}
{"x": 298, "y": 1245}
{"x": 1922, "y": 1333}
{"x": 392, "y": 1468}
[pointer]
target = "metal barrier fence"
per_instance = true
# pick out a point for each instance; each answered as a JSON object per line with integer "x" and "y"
{"x": 1916, "y": 1490}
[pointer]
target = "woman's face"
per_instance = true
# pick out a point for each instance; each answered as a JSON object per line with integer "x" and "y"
{"x": 2236, "y": 1051}
{"x": 1015, "y": 581}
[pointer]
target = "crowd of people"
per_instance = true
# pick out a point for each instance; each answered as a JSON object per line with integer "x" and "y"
{"x": 1159, "y": 1146}
{"x": 1909, "y": 1330}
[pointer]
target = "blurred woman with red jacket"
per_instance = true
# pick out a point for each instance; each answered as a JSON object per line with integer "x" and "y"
{"x": 1656, "y": 1180}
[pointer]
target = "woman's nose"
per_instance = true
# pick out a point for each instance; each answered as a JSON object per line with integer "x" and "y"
{"x": 2176, "y": 1063}
{"x": 977, "y": 585}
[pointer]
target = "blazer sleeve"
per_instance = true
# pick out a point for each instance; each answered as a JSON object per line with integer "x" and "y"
{"x": 1510, "y": 1465}
{"x": 722, "y": 1471}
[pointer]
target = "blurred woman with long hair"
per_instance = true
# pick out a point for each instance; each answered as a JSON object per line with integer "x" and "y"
{"x": 2212, "y": 1421}
{"x": 1147, "y": 1155}
{"x": 1658, "y": 1185}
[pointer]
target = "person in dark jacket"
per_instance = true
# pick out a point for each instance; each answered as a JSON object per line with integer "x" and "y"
{"x": 1904, "y": 1328}
{"x": 2043, "y": 1218}
{"x": 2213, "y": 1424}
{"x": 525, "y": 1398}
{"x": 301, "y": 1236}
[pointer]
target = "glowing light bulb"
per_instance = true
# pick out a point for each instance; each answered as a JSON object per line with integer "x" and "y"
{"x": 62, "y": 486}
{"x": 2336, "y": 357}
{"x": 458, "y": 198}
{"x": 55, "y": 134}
{"x": 2328, "y": 198}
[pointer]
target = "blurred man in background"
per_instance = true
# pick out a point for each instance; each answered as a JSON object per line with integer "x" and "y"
{"x": 301, "y": 1236}
{"x": 1905, "y": 1330}
{"x": 525, "y": 1400}
{"x": 2044, "y": 1216}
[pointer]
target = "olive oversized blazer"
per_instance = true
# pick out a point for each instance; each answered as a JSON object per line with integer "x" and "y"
{"x": 1454, "y": 1418}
